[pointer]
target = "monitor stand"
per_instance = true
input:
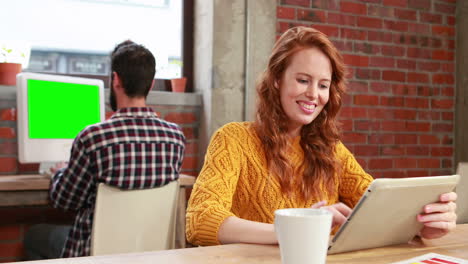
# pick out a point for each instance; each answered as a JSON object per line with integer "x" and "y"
{"x": 44, "y": 168}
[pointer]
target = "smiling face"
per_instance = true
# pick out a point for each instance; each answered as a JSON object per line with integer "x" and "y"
{"x": 305, "y": 87}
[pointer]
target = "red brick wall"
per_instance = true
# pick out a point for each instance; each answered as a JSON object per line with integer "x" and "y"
{"x": 188, "y": 118}
{"x": 15, "y": 221}
{"x": 11, "y": 242}
{"x": 398, "y": 117}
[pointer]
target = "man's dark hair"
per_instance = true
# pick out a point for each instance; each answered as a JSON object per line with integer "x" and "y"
{"x": 135, "y": 66}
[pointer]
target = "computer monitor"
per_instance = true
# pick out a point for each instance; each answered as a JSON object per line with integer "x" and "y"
{"x": 51, "y": 111}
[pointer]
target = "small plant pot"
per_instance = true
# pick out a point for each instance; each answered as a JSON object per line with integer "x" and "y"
{"x": 178, "y": 85}
{"x": 8, "y": 72}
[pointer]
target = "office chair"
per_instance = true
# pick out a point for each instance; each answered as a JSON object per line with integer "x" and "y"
{"x": 134, "y": 220}
{"x": 462, "y": 193}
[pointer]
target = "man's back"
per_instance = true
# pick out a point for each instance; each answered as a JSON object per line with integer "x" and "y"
{"x": 132, "y": 150}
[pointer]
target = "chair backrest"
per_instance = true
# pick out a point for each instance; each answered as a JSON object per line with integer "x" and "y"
{"x": 134, "y": 220}
{"x": 462, "y": 193}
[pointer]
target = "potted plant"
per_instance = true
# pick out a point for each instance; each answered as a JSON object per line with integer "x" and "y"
{"x": 12, "y": 57}
{"x": 177, "y": 84}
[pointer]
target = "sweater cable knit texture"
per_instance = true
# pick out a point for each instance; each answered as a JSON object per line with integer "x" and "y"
{"x": 235, "y": 181}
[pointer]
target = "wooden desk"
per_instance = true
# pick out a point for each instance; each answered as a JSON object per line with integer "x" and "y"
{"x": 41, "y": 182}
{"x": 455, "y": 244}
{"x": 24, "y": 190}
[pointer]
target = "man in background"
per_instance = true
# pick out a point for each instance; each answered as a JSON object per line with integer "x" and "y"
{"x": 134, "y": 149}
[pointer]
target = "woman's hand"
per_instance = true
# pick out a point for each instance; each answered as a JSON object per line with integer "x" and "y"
{"x": 439, "y": 218}
{"x": 340, "y": 211}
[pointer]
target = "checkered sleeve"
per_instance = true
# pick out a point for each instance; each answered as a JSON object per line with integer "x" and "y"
{"x": 180, "y": 154}
{"x": 70, "y": 187}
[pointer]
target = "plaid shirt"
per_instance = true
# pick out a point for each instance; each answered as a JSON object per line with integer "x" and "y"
{"x": 134, "y": 149}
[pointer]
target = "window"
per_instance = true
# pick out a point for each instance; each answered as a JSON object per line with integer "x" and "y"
{"x": 75, "y": 37}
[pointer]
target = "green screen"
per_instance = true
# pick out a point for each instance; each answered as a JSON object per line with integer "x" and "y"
{"x": 61, "y": 110}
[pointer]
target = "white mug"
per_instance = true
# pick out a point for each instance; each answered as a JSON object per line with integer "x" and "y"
{"x": 303, "y": 234}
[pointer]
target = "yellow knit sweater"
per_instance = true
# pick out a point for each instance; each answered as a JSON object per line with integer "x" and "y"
{"x": 234, "y": 182}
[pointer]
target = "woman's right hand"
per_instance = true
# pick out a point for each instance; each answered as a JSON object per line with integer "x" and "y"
{"x": 340, "y": 211}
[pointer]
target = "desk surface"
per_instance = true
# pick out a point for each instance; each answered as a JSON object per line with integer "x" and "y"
{"x": 42, "y": 182}
{"x": 455, "y": 244}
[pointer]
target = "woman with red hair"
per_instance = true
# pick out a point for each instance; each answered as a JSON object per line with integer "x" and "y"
{"x": 290, "y": 156}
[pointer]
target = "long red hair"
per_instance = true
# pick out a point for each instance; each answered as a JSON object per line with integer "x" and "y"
{"x": 317, "y": 138}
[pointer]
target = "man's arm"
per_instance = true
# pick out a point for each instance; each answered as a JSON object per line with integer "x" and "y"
{"x": 70, "y": 186}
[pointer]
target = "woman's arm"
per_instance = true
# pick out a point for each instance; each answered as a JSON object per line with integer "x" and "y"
{"x": 211, "y": 199}
{"x": 238, "y": 230}
{"x": 353, "y": 180}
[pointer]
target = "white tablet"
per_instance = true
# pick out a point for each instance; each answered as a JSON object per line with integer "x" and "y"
{"x": 386, "y": 213}
{"x": 462, "y": 192}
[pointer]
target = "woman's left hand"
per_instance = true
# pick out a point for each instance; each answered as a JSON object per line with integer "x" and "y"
{"x": 439, "y": 218}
